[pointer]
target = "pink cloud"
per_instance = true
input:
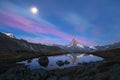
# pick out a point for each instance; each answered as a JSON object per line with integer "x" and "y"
{"x": 44, "y": 41}
{"x": 31, "y": 26}
{"x": 20, "y": 22}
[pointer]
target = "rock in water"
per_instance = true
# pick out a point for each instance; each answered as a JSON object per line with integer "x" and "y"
{"x": 60, "y": 63}
{"x": 29, "y": 61}
{"x": 43, "y": 61}
{"x": 66, "y": 62}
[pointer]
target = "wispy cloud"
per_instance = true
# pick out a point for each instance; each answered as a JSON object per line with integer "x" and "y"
{"x": 34, "y": 25}
{"x": 79, "y": 23}
{"x": 83, "y": 26}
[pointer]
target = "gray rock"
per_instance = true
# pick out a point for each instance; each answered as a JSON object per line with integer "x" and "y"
{"x": 60, "y": 63}
{"x": 24, "y": 73}
{"x": 52, "y": 78}
{"x": 115, "y": 72}
{"x": 43, "y": 61}
{"x": 66, "y": 62}
{"x": 65, "y": 78}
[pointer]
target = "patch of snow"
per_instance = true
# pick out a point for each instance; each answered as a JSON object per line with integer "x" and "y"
{"x": 80, "y": 45}
{"x": 81, "y": 55}
{"x": 10, "y": 35}
{"x": 70, "y": 45}
{"x": 47, "y": 44}
{"x": 92, "y": 47}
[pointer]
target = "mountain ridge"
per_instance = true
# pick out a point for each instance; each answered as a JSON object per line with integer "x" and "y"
{"x": 14, "y": 44}
{"x": 10, "y": 42}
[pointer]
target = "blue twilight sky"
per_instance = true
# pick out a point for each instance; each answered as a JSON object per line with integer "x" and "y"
{"x": 90, "y": 22}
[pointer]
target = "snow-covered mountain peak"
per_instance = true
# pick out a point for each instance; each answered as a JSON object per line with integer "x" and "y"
{"x": 11, "y": 35}
{"x": 74, "y": 43}
{"x": 75, "y": 46}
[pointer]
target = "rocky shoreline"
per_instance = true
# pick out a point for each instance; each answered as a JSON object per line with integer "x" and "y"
{"x": 86, "y": 71}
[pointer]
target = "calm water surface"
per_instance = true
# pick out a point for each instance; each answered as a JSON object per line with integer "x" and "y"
{"x": 73, "y": 58}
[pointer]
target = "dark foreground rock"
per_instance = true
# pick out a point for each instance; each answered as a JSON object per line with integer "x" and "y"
{"x": 87, "y": 71}
{"x": 23, "y": 73}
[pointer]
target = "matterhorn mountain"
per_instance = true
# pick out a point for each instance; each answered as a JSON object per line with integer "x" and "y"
{"x": 75, "y": 46}
{"x": 74, "y": 43}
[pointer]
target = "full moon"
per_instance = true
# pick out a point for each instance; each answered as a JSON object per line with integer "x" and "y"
{"x": 34, "y": 10}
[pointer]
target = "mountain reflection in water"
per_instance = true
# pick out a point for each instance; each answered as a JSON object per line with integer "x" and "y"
{"x": 72, "y": 58}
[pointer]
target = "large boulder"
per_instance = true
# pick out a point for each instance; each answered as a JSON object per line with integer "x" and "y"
{"x": 43, "y": 61}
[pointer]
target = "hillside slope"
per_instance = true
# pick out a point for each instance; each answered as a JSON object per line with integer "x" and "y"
{"x": 14, "y": 44}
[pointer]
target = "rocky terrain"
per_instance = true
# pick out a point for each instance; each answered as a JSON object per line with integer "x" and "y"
{"x": 86, "y": 71}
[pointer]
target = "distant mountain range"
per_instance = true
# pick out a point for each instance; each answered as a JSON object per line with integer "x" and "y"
{"x": 108, "y": 47}
{"x": 74, "y": 46}
{"x": 9, "y": 42}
